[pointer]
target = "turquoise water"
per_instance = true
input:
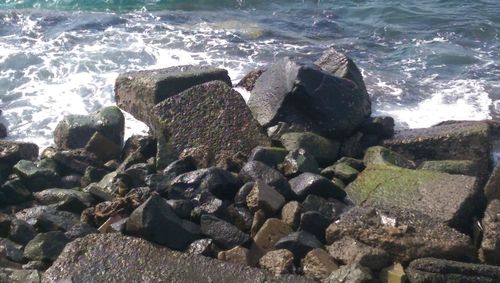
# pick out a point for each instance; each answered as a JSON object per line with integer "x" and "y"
{"x": 423, "y": 61}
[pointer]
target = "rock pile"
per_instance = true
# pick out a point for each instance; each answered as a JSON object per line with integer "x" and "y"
{"x": 328, "y": 194}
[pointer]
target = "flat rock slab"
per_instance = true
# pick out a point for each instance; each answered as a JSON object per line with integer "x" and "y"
{"x": 210, "y": 115}
{"x": 453, "y": 199}
{"x": 117, "y": 258}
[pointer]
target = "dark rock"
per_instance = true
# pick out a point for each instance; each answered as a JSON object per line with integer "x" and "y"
{"x": 258, "y": 171}
{"x": 353, "y": 146}
{"x": 19, "y": 275}
{"x": 74, "y": 131}
{"x": 264, "y": 197}
{"x": 136, "y": 174}
{"x": 231, "y": 161}
{"x": 52, "y": 196}
{"x": 240, "y": 217}
{"x": 75, "y": 161}
{"x": 350, "y": 251}
{"x": 439, "y": 270}
{"x": 37, "y": 265}
{"x": 259, "y": 218}
{"x": 490, "y": 246}
{"x": 271, "y": 156}
{"x": 241, "y": 196}
{"x": 299, "y": 243}
{"x": 158, "y": 182}
{"x": 136, "y": 260}
{"x": 70, "y": 204}
{"x": 421, "y": 190}
{"x": 308, "y": 98}
{"x": 181, "y": 207}
{"x": 290, "y": 214}
{"x": 206, "y": 203}
{"x": 36, "y": 176}
{"x": 139, "y": 148}
{"x": 179, "y": 167}
{"x": 138, "y": 92}
{"x": 14, "y": 192}
{"x": 12, "y": 250}
{"x": 325, "y": 151}
{"x": 405, "y": 234}
{"x": 92, "y": 175}
{"x": 46, "y": 246}
{"x": 341, "y": 171}
{"x": 352, "y": 162}
{"x": 205, "y": 247}
{"x": 5, "y": 222}
{"x": 314, "y": 223}
{"x": 299, "y": 161}
{"x": 71, "y": 181}
{"x": 491, "y": 190}
{"x": 382, "y": 126}
{"x": 458, "y": 167}
{"x": 224, "y": 234}
{"x": 309, "y": 183}
{"x": 79, "y": 230}
{"x": 278, "y": 262}
{"x": 3, "y": 131}
{"x": 210, "y": 115}
{"x": 200, "y": 156}
{"x": 331, "y": 209}
{"x": 318, "y": 264}
{"x": 55, "y": 221}
{"x": 21, "y": 232}
{"x": 351, "y": 273}
{"x": 248, "y": 81}
{"x": 156, "y": 221}
{"x": 104, "y": 148}
{"x": 12, "y": 152}
{"x": 379, "y": 155}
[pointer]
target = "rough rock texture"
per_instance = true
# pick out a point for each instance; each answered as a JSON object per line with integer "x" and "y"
{"x": 248, "y": 81}
{"x": 264, "y": 197}
{"x": 277, "y": 261}
{"x": 271, "y": 156}
{"x": 210, "y": 115}
{"x": 403, "y": 233}
{"x": 379, "y": 155}
{"x": 393, "y": 273}
{"x": 74, "y": 131}
{"x": 51, "y": 196}
{"x": 19, "y": 276}
{"x": 492, "y": 187}
{"x": 45, "y": 246}
{"x": 37, "y": 175}
{"x": 352, "y": 273}
{"x": 14, "y": 192}
{"x": 117, "y": 258}
{"x": 138, "y": 92}
{"x": 299, "y": 243}
{"x": 490, "y": 247}
{"x": 225, "y": 235}
{"x": 421, "y": 190}
{"x": 325, "y": 151}
{"x": 299, "y": 161}
{"x": 348, "y": 251}
{"x": 271, "y": 231}
{"x": 258, "y": 171}
{"x": 290, "y": 213}
{"x": 431, "y": 270}
{"x": 309, "y": 99}
{"x": 235, "y": 255}
{"x": 309, "y": 183}
{"x": 11, "y": 152}
{"x": 318, "y": 264}
{"x": 459, "y": 167}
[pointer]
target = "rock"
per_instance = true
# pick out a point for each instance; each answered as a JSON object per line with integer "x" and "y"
{"x": 37, "y": 265}
{"x": 394, "y": 273}
{"x": 331, "y": 209}
{"x": 199, "y": 156}
{"x": 290, "y": 214}
{"x": 352, "y": 273}
{"x": 309, "y": 183}
{"x": 353, "y": 146}
{"x": 237, "y": 255}
{"x": 241, "y": 217}
{"x": 12, "y": 152}
{"x": 46, "y": 246}
{"x": 75, "y": 131}
{"x": 351, "y": 251}
{"x": 455, "y": 141}
{"x": 71, "y": 181}
{"x": 92, "y": 175}
{"x": 14, "y": 192}
{"x": 379, "y": 155}
{"x": 230, "y": 161}
{"x": 75, "y": 161}
{"x": 181, "y": 207}
{"x": 288, "y": 90}
{"x": 382, "y": 126}
{"x": 206, "y": 203}
{"x": 299, "y": 161}
{"x": 459, "y": 167}
{"x": 138, "y": 92}
{"x": 104, "y": 148}
{"x": 51, "y": 196}
{"x": 139, "y": 148}
{"x": 264, "y": 197}
{"x": 352, "y": 162}
{"x": 259, "y": 217}
{"x": 299, "y": 243}
{"x": 314, "y": 223}
{"x": 136, "y": 260}
{"x": 36, "y": 176}
{"x": 491, "y": 189}
{"x": 422, "y": 190}
{"x": 205, "y": 247}
{"x": 11, "y": 250}
{"x": 278, "y": 262}
{"x": 338, "y": 64}
{"x": 325, "y": 151}
{"x": 248, "y": 81}
{"x": 156, "y": 221}
{"x": 404, "y": 234}
{"x": 318, "y": 264}
{"x": 210, "y": 115}
{"x": 271, "y": 156}
{"x": 342, "y": 171}
{"x": 440, "y": 270}
{"x": 5, "y": 222}
{"x": 241, "y": 196}
{"x": 79, "y": 230}
{"x": 3, "y": 131}
{"x": 19, "y": 276}
{"x": 21, "y": 232}
{"x": 258, "y": 171}
{"x": 219, "y": 182}
{"x": 490, "y": 246}
{"x": 271, "y": 231}
{"x": 55, "y": 221}
{"x": 224, "y": 234}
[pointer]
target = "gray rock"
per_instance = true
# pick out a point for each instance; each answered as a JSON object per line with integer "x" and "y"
{"x": 205, "y": 247}
{"x": 490, "y": 246}
{"x": 36, "y": 176}
{"x": 47, "y": 218}
{"x": 304, "y": 96}
{"x": 325, "y": 151}
{"x": 350, "y": 251}
{"x": 264, "y": 197}
{"x": 206, "y": 203}
{"x": 352, "y": 273}
{"x": 224, "y": 234}
{"x": 258, "y": 171}
{"x": 271, "y": 156}
{"x": 92, "y": 175}
{"x": 379, "y": 155}
{"x": 11, "y": 152}
{"x": 331, "y": 209}
{"x": 299, "y": 161}
{"x": 71, "y": 181}
{"x": 74, "y": 131}
{"x": 458, "y": 167}
{"x": 45, "y": 246}
{"x": 104, "y": 148}
{"x": 240, "y": 216}
{"x": 241, "y": 196}
{"x": 13, "y": 251}
{"x": 211, "y": 115}
{"x": 181, "y": 207}
{"x": 314, "y": 223}
{"x": 19, "y": 276}
{"x": 14, "y": 192}
{"x": 434, "y": 270}
{"x": 136, "y": 260}
{"x": 79, "y": 230}
{"x": 51, "y": 196}
{"x": 309, "y": 183}
{"x": 21, "y": 232}
{"x": 156, "y": 221}
{"x": 341, "y": 171}
{"x": 299, "y": 243}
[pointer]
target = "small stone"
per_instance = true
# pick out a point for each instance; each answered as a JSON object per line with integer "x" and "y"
{"x": 309, "y": 183}
{"x": 351, "y": 273}
{"x": 238, "y": 255}
{"x": 349, "y": 251}
{"x": 205, "y": 247}
{"x": 271, "y": 156}
{"x": 46, "y": 246}
{"x": 331, "y": 209}
{"x": 21, "y": 232}
{"x": 223, "y": 233}
{"x": 290, "y": 214}
{"x": 299, "y": 243}
{"x": 208, "y": 204}
{"x": 55, "y": 221}
{"x": 264, "y": 197}
{"x": 278, "y": 262}
{"x": 314, "y": 223}
{"x": 258, "y": 171}
{"x": 19, "y": 276}
{"x": 318, "y": 264}
{"x": 393, "y": 274}
{"x": 325, "y": 151}
{"x": 299, "y": 161}
{"x": 241, "y": 217}
{"x": 241, "y": 196}
{"x": 264, "y": 241}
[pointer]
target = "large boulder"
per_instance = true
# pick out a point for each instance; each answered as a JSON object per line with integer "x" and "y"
{"x": 74, "y": 131}
{"x": 210, "y": 115}
{"x": 117, "y": 258}
{"x": 403, "y": 233}
{"x": 308, "y": 99}
{"x": 138, "y": 92}
{"x": 454, "y": 199}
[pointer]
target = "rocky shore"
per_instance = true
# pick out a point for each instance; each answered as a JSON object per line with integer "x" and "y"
{"x": 298, "y": 184}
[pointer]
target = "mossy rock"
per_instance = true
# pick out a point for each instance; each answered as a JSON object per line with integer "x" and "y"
{"x": 462, "y": 167}
{"x": 379, "y": 155}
